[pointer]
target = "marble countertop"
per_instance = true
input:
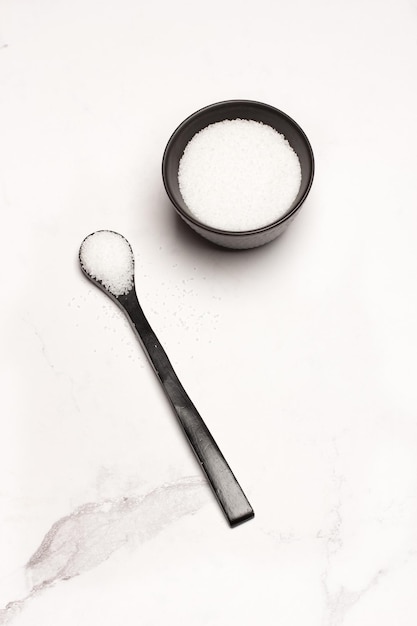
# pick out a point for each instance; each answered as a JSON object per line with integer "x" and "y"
{"x": 300, "y": 355}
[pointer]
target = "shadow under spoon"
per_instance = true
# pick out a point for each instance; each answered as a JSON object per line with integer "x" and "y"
{"x": 106, "y": 258}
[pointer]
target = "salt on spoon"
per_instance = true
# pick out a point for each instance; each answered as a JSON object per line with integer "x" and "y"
{"x": 107, "y": 259}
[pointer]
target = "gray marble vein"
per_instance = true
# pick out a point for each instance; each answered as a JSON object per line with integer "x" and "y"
{"x": 340, "y": 601}
{"x": 90, "y": 534}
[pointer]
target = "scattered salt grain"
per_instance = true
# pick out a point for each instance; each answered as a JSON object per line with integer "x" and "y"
{"x": 239, "y": 175}
{"x": 107, "y": 257}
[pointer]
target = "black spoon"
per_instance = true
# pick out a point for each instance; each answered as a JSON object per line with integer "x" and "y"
{"x": 106, "y": 258}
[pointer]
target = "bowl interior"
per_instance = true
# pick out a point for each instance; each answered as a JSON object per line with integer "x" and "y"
{"x": 232, "y": 109}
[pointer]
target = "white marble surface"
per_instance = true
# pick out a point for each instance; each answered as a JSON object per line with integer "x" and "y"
{"x": 301, "y": 356}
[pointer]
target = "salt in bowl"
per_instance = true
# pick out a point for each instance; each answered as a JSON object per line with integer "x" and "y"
{"x": 237, "y": 110}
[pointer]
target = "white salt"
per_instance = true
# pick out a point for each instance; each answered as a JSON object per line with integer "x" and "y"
{"x": 239, "y": 175}
{"x": 107, "y": 257}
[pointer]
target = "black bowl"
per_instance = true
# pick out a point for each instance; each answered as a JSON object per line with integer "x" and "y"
{"x": 228, "y": 110}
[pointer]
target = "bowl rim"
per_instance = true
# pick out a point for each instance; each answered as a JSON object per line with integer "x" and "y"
{"x": 235, "y": 233}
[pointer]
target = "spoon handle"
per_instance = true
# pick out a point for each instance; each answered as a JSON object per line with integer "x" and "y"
{"x": 225, "y": 486}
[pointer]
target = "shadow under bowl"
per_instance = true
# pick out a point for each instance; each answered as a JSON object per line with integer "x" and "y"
{"x": 229, "y": 110}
